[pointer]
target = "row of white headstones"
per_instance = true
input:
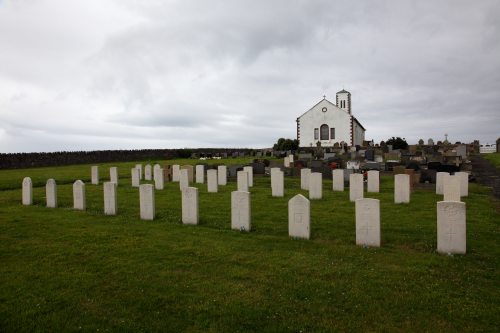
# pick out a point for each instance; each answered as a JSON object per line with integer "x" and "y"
{"x": 451, "y": 214}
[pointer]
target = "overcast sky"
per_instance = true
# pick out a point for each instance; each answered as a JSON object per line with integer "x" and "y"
{"x": 132, "y": 74}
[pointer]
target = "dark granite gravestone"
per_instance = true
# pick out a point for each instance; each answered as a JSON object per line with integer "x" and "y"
{"x": 233, "y": 169}
{"x": 370, "y": 154}
{"x": 428, "y": 175}
{"x": 316, "y": 164}
{"x": 258, "y": 168}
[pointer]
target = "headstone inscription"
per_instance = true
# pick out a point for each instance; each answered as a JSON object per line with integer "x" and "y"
{"x": 277, "y": 182}
{"x": 147, "y": 201}
{"x": 139, "y": 167}
{"x": 338, "y": 180}
{"x": 401, "y": 188}
{"x": 315, "y": 186}
{"x": 249, "y": 170}
{"x": 135, "y": 177}
{"x": 190, "y": 170}
{"x": 222, "y": 175}
{"x": 27, "y": 196}
{"x": 240, "y": 211}
{"x": 451, "y": 188}
{"x": 190, "y": 205}
{"x": 242, "y": 179}
{"x": 440, "y": 176}
{"x": 368, "y": 222}
{"x": 159, "y": 178}
{"x": 51, "y": 193}
{"x": 464, "y": 183}
{"x": 110, "y": 199}
{"x": 113, "y": 175}
{"x": 356, "y": 187}
{"x": 148, "y": 172}
{"x": 200, "y": 174}
{"x": 451, "y": 227}
{"x": 183, "y": 179}
{"x": 79, "y": 202}
{"x": 299, "y": 217}
{"x": 94, "y": 175}
{"x": 212, "y": 181}
{"x": 176, "y": 172}
{"x": 373, "y": 181}
{"x": 305, "y": 174}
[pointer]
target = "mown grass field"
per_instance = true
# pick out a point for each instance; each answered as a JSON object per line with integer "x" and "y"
{"x": 66, "y": 270}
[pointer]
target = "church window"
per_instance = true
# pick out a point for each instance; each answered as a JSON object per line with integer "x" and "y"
{"x": 324, "y": 132}
{"x": 316, "y": 134}
{"x": 332, "y": 133}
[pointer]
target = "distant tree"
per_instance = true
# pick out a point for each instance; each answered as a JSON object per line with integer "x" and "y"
{"x": 397, "y": 143}
{"x": 421, "y": 142}
{"x": 286, "y": 144}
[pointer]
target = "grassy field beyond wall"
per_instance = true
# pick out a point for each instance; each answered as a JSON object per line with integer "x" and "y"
{"x": 66, "y": 270}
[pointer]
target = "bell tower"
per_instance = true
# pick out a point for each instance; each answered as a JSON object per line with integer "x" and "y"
{"x": 344, "y": 100}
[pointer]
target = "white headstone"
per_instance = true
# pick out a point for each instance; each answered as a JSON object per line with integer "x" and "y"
{"x": 212, "y": 181}
{"x": 113, "y": 175}
{"x": 451, "y": 188}
{"x": 79, "y": 201}
{"x": 148, "y": 172}
{"x": 464, "y": 183}
{"x": 249, "y": 170}
{"x": 373, "y": 181}
{"x": 338, "y": 180}
{"x": 368, "y": 222}
{"x": 305, "y": 173}
{"x": 135, "y": 177}
{"x": 139, "y": 167}
{"x": 94, "y": 172}
{"x": 451, "y": 227}
{"x": 190, "y": 170}
{"x": 315, "y": 186}
{"x": 27, "y": 191}
{"x": 159, "y": 178}
{"x": 242, "y": 179}
{"x": 286, "y": 162}
{"x": 183, "y": 179}
{"x": 110, "y": 199}
{"x": 51, "y": 193}
{"x": 176, "y": 172}
{"x": 200, "y": 174}
{"x": 356, "y": 186}
{"x": 240, "y": 211}
{"x": 222, "y": 175}
{"x": 401, "y": 188}
{"x": 155, "y": 168}
{"x": 299, "y": 217}
{"x": 190, "y": 205}
{"x": 147, "y": 201}
{"x": 440, "y": 176}
{"x": 290, "y": 158}
{"x": 277, "y": 182}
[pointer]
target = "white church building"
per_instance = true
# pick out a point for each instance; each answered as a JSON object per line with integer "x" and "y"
{"x": 330, "y": 123}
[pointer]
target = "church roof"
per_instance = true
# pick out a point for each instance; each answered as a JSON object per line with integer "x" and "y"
{"x": 343, "y": 91}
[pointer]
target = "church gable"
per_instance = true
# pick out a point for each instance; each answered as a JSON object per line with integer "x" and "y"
{"x": 328, "y": 123}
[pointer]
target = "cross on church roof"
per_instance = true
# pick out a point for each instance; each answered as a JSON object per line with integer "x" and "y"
{"x": 324, "y": 96}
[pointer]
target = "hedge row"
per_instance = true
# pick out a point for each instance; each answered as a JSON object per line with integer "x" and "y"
{"x": 30, "y": 160}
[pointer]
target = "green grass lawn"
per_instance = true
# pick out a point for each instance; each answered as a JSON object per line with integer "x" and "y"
{"x": 66, "y": 270}
{"x": 494, "y": 158}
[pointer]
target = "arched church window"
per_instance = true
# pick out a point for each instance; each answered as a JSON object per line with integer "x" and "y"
{"x": 323, "y": 132}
